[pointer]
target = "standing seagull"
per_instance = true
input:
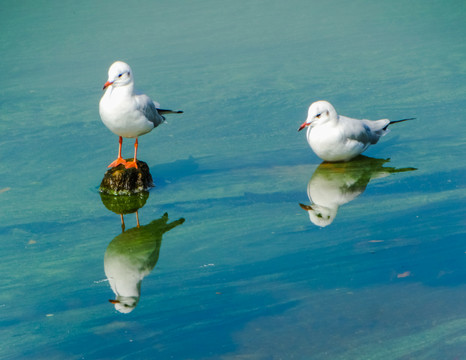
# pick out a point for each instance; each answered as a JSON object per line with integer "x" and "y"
{"x": 126, "y": 113}
{"x": 335, "y": 137}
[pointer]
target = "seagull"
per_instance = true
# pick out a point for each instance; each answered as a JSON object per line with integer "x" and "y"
{"x": 336, "y": 138}
{"x": 126, "y": 113}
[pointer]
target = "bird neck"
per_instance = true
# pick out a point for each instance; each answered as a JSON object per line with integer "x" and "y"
{"x": 127, "y": 89}
{"x": 333, "y": 119}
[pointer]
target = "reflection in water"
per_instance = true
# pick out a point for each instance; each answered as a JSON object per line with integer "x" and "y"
{"x": 335, "y": 184}
{"x": 133, "y": 254}
{"x": 130, "y": 257}
{"x": 121, "y": 204}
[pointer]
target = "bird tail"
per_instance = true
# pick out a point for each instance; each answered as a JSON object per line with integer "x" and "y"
{"x": 397, "y": 121}
{"x": 166, "y": 111}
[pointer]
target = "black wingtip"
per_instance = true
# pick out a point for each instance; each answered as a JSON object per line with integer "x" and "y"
{"x": 166, "y": 111}
{"x": 397, "y": 121}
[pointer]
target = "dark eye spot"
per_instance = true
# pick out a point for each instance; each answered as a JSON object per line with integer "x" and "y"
{"x": 120, "y": 75}
{"x": 318, "y": 115}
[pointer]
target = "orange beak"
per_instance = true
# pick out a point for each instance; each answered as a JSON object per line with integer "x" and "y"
{"x": 114, "y": 301}
{"x": 305, "y": 207}
{"x": 303, "y": 126}
{"x": 107, "y": 84}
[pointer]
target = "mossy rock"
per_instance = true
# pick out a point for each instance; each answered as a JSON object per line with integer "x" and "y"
{"x": 122, "y": 181}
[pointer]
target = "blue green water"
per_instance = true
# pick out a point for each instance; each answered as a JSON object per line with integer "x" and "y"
{"x": 247, "y": 275}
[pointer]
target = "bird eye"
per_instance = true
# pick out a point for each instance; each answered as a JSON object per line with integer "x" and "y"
{"x": 318, "y": 115}
{"x": 120, "y": 75}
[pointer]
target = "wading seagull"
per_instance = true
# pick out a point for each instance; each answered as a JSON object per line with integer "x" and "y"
{"x": 127, "y": 113}
{"x": 335, "y": 137}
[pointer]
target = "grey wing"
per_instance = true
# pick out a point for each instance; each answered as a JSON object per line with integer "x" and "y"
{"x": 376, "y": 129}
{"x": 149, "y": 109}
{"x": 356, "y": 130}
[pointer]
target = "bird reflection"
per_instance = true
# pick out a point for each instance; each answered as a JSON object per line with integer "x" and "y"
{"x": 335, "y": 184}
{"x": 130, "y": 257}
{"x": 133, "y": 254}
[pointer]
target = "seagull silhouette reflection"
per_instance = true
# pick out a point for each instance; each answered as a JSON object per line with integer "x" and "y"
{"x": 335, "y": 184}
{"x": 133, "y": 254}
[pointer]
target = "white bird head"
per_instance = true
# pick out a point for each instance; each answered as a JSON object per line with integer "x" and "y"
{"x": 319, "y": 112}
{"x": 320, "y": 215}
{"x": 119, "y": 74}
{"x": 125, "y": 304}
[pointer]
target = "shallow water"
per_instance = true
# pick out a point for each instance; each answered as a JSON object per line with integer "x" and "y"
{"x": 247, "y": 275}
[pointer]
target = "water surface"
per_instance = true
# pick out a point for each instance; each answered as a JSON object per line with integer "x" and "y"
{"x": 247, "y": 274}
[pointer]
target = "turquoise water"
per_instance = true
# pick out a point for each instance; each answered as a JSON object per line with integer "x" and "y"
{"x": 247, "y": 274}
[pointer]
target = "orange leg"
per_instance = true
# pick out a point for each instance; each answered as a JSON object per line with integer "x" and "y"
{"x": 122, "y": 223}
{"x": 133, "y": 164}
{"x": 119, "y": 159}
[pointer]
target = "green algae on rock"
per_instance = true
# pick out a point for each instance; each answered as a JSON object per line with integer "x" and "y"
{"x": 122, "y": 181}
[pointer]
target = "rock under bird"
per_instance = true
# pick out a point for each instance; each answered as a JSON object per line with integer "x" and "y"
{"x": 336, "y": 138}
{"x": 127, "y": 113}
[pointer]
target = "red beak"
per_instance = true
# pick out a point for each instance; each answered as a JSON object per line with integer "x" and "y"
{"x": 107, "y": 84}
{"x": 303, "y": 126}
{"x": 305, "y": 207}
{"x": 114, "y": 301}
